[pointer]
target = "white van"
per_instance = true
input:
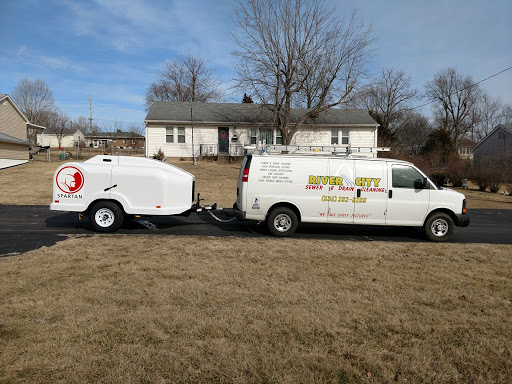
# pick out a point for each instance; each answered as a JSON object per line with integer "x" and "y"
{"x": 284, "y": 190}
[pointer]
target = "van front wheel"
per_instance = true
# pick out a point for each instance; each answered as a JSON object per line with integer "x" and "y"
{"x": 106, "y": 216}
{"x": 439, "y": 227}
{"x": 282, "y": 221}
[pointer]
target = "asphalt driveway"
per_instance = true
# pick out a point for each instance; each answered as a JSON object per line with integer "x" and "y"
{"x": 23, "y": 228}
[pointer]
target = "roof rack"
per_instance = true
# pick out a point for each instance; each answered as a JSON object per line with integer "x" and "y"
{"x": 346, "y": 150}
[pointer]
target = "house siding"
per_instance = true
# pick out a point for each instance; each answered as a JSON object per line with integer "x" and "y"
{"x": 493, "y": 147}
{"x": 208, "y": 136}
{"x": 68, "y": 141}
{"x": 11, "y": 123}
{"x": 53, "y": 142}
{"x": 13, "y": 151}
{"x": 156, "y": 140}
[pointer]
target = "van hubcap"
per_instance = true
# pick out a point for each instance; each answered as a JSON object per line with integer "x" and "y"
{"x": 439, "y": 227}
{"x": 104, "y": 217}
{"x": 282, "y": 222}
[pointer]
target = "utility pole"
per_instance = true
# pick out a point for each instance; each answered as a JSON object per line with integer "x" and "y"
{"x": 90, "y": 114}
{"x": 192, "y": 124}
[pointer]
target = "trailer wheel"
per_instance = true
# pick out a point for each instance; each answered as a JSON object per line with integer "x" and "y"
{"x": 106, "y": 216}
{"x": 282, "y": 221}
{"x": 439, "y": 227}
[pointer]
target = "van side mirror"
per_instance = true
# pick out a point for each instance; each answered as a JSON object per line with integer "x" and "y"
{"x": 421, "y": 183}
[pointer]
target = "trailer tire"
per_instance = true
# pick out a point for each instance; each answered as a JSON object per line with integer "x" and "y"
{"x": 439, "y": 227}
{"x": 106, "y": 216}
{"x": 282, "y": 221}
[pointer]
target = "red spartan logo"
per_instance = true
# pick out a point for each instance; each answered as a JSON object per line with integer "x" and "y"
{"x": 70, "y": 180}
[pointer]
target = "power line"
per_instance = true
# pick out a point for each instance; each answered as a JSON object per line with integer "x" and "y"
{"x": 460, "y": 90}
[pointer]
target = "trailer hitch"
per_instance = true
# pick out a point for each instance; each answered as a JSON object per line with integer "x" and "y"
{"x": 197, "y": 207}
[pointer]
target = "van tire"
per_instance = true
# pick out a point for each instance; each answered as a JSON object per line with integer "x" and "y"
{"x": 106, "y": 216}
{"x": 439, "y": 227}
{"x": 282, "y": 221}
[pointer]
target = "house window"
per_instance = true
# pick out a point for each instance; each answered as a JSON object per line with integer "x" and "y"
{"x": 279, "y": 137}
{"x": 267, "y": 136}
{"x": 169, "y": 134}
{"x": 124, "y": 141}
{"x": 181, "y": 134}
{"x": 254, "y": 136}
{"x": 133, "y": 142}
{"x": 345, "y": 136}
{"x": 334, "y": 136}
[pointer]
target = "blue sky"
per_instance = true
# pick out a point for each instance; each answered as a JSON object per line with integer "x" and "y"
{"x": 111, "y": 50}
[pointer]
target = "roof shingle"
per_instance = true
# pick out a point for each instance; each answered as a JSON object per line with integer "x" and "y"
{"x": 177, "y": 111}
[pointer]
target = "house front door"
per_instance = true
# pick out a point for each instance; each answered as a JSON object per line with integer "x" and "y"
{"x": 223, "y": 140}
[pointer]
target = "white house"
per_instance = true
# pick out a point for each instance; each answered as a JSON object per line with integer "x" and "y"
{"x": 226, "y": 128}
{"x": 70, "y": 138}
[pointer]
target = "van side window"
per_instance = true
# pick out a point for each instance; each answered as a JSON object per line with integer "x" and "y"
{"x": 405, "y": 176}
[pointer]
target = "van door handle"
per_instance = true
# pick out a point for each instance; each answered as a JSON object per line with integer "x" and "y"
{"x": 358, "y": 193}
{"x": 390, "y": 193}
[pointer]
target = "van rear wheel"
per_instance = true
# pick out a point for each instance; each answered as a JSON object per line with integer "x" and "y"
{"x": 439, "y": 227}
{"x": 282, "y": 221}
{"x": 106, "y": 216}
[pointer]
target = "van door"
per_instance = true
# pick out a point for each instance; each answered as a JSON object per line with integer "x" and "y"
{"x": 407, "y": 200}
{"x": 341, "y": 191}
{"x": 371, "y": 198}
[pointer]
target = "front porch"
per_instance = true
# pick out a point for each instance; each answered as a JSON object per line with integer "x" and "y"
{"x": 212, "y": 150}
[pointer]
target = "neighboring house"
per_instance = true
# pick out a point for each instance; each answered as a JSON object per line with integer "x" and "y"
{"x": 117, "y": 139}
{"x": 465, "y": 148}
{"x": 495, "y": 146}
{"x": 70, "y": 138}
{"x": 227, "y": 129}
{"x": 14, "y": 130}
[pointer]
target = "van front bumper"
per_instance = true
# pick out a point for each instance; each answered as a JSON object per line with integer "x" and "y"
{"x": 462, "y": 220}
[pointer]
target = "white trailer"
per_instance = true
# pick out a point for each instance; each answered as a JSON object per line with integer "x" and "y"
{"x": 111, "y": 189}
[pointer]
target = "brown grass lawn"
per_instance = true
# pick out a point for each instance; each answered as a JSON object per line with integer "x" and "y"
{"x": 155, "y": 309}
{"x": 147, "y": 309}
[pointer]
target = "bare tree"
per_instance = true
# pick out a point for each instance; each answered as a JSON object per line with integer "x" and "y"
{"x": 412, "y": 132}
{"x": 34, "y": 98}
{"x": 58, "y": 123}
{"x": 298, "y": 53}
{"x": 455, "y": 101}
{"x": 489, "y": 113}
{"x": 187, "y": 79}
{"x": 82, "y": 123}
{"x": 387, "y": 98}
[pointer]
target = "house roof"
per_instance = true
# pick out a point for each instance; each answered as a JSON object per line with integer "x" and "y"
{"x": 466, "y": 143}
{"x": 114, "y": 135}
{"x": 5, "y": 96}
{"x": 176, "y": 111}
{"x": 14, "y": 140}
{"x": 506, "y": 127}
{"x": 65, "y": 132}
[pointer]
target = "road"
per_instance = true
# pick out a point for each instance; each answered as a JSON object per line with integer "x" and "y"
{"x": 23, "y": 228}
